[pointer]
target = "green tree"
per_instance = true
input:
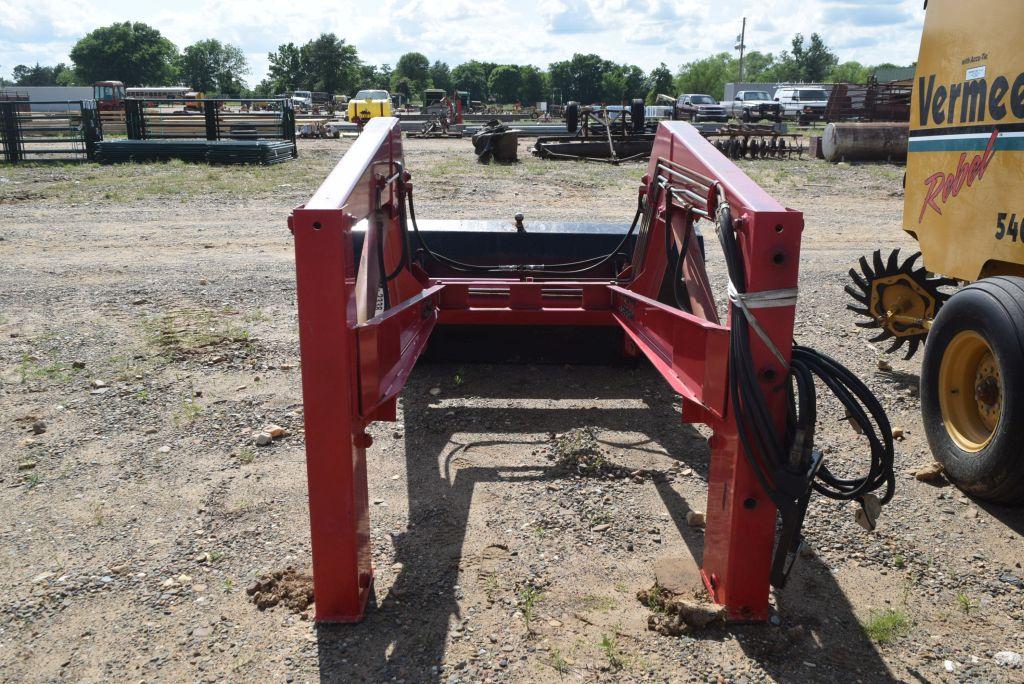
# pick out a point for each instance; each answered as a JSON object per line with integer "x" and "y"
{"x": 660, "y": 81}
{"x": 849, "y": 72}
{"x": 613, "y": 86}
{"x": 330, "y": 65}
{"x": 441, "y": 76}
{"x": 374, "y": 77}
{"x": 210, "y": 66}
{"x": 134, "y": 53}
{"x": 504, "y": 83}
{"x": 285, "y": 68}
{"x": 757, "y": 66}
{"x": 38, "y": 75}
{"x": 579, "y": 78}
{"x": 68, "y": 77}
{"x": 402, "y": 85}
{"x": 817, "y": 60}
{"x": 415, "y": 67}
{"x": 635, "y": 80}
{"x": 531, "y": 85}
{"x": 326, "y": 64}
{"x": 470, "y": 77}
{"x": 708, "y": 75}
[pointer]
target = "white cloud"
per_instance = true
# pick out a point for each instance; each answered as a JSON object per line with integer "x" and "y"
{"x": 643, "y": 32}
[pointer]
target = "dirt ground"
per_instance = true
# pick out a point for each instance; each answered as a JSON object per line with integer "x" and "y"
{"x": 148, "y": 332}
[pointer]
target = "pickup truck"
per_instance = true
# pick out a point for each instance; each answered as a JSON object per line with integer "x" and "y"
{"x": 805, "y": 104}
{"x": 697, "y": 107}
{"x": 753, "y": 106}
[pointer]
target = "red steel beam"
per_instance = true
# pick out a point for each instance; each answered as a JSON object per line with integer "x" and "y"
{"x": 689, "y": 352}
{"x": 740, "y": 532}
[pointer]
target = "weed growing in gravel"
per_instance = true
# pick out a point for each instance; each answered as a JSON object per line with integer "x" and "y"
{"x": 43, "y": 364}
{"x": 190, "y": 410}
{"x": 491, "y": 586}
{"x": 657, "y": 597}
{"x": 599, "y": 516}
{"x": 558, "y": 662}
{"x": 964, "y": 601}
{"x": 32, "y": 479}
{"x": 98, "y": 514}
{"x": 246, "y": 455}
{"x": 178, "y": 333}
{"x": 602, "y": 604}
{"x": 528, "y": 598}
{"x": 887, "y": 625}
{"x": 899, "y": 561}
{"x": 610, "y": 646}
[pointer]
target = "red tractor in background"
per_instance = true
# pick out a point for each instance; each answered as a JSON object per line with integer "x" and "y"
{"x": 109, "y": 95}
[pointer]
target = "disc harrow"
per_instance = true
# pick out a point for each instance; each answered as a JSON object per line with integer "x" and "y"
{"x": 755, "y": 142}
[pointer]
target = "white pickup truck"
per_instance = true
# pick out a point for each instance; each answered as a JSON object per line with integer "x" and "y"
{"x": 753, "y": 106}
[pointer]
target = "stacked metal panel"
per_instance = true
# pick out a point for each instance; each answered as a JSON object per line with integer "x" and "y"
{"x": 210, "y": 151}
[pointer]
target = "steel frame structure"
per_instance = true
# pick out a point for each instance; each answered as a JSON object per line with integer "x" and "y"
{"x": 355, "y": 360}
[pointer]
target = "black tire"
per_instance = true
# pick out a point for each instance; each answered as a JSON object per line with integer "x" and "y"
{"x": 994, "y": 309}
{"x": 636, "y": 115}
{"x": 745, "y": 116}
{"x": 572, "y": 116}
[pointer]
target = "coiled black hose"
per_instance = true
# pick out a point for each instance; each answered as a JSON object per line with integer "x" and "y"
{"x": 787, "y": 466}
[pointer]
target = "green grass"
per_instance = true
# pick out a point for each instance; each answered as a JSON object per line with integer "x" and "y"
{"x": 120, "y": 183}
{"x": 528, "y": 598}
{"x": 610, "y": 647}
{"x": 885, "y": 626}
{"x": 601, "y": 604}
{"x": 188, "y": 330}
{"x": 190, "y": 410}
{"x": 558, "y": 662}
{"x": 964, "y": 601}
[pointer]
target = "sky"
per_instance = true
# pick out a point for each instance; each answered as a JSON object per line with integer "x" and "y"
{"x": 642, "y": 32}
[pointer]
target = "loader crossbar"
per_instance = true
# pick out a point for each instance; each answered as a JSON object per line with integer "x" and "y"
{"x": 353, "y": 246}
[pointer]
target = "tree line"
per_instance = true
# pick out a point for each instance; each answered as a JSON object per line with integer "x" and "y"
{"x": 138, "y": 55}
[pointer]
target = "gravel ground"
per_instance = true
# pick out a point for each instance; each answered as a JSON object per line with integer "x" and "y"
{"x": 148, "y": 332}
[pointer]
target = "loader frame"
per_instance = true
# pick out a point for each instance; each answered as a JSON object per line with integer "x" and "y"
{"x": 355, "y": 360}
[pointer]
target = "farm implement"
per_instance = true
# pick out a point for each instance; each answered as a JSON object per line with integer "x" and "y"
{"x": 374, "y": 285}
{"x": 753, "y": 141}
{"x": 600, "y": 134}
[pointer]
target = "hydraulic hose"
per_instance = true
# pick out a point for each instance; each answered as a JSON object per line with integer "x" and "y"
{"x": 584, "y": 265}
{"x": 787, "y": 465}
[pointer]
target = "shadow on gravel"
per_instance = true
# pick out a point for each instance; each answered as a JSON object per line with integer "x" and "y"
{"x": 1013, "y": 518}
{"x": 404, "y": 634}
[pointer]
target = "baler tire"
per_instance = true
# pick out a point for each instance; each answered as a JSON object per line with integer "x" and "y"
{"x": 636, "y": 115}
{"x": 992, "y": 308}
{"x": 572, "y": 116}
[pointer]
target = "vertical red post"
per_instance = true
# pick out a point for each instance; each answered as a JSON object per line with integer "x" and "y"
{"x": 335, "y": 440}
{"x": 740, "y": 534}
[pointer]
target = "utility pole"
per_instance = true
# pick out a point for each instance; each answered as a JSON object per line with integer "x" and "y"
{"x": 740, "y": 46}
